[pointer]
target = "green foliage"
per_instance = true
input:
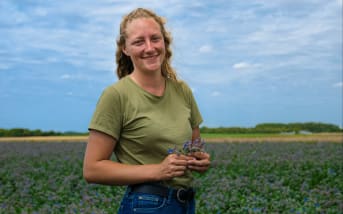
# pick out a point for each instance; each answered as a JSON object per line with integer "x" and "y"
{"x": 265, "y": 128}
{"x": 244, "y": 178}
{"x": 276, "y": 128}
{"x": 47, "y": 178}
{"x": 21, "y": 132}
{"x": 297, "y": 127}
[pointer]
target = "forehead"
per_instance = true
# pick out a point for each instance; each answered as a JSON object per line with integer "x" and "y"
{"x": 142, "y": 27}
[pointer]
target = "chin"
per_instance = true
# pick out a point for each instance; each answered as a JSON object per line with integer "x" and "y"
{"x": 153, "y": 68}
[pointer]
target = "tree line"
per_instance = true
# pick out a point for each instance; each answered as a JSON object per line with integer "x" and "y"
{"x": 313, "y": 127}
{"x": 259, "y": 128}
{"x": 21, "y": 132}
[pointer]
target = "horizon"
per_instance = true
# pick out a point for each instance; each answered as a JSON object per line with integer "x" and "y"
{"x": 202, "y": 126}
{"x": 247, "y": 63}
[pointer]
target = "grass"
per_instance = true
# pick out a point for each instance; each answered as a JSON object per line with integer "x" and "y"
{"x": 269, "y": 177}
{"x": 227, "y": 135}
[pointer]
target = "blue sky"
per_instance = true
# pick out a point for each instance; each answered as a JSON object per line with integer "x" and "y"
{"x": 247, "y": 62}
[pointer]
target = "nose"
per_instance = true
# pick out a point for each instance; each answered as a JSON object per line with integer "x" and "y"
{"x": 148, "y": 45}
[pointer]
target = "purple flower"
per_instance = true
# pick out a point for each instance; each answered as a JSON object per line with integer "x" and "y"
{"x": 171, "y": 151}
{"x": 190, "y": 146}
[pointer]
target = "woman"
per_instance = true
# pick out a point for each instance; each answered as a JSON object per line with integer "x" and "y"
{"x": 145, "y": 113}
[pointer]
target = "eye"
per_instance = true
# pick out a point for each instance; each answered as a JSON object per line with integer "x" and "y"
{"x": 138, "y": 42}
{"x": 156, "y": 38}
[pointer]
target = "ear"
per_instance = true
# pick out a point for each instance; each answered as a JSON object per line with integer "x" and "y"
{"x": 124, "y": 50}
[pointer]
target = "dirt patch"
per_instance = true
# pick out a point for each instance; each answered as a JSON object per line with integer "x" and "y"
{"x": 45, "y": 139}
{"x": 338, "y": 138}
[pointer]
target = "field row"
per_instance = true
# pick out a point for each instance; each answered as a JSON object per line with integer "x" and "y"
{"x": 244, "y": 178}
{"x": 226, "y": 138}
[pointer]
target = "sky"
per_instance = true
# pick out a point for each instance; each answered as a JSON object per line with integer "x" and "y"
{"x": 247, "y": 62}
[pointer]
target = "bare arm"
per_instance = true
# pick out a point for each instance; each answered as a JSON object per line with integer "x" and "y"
{"x": 98, "y": 168}
{"x": 202, "y": 162}
{"x": 195, "y": 133}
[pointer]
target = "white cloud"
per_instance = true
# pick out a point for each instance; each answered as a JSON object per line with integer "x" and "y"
{"x": 40, "y": 11}
{"x": 205, "y": 49}
{"x": 4, "y": 66}
{"x": 304, "y": 34}
{"x": 290, "y": 38}
{"x": 245, "y": 66}
{"x": 77, "y": 77}
{"x": 338, "y": 85}
{"x": 218, "y": 46}
{"x": 215, "y": 94}
{"x": 241, "y": 65}
{"x": 65, "y": 76}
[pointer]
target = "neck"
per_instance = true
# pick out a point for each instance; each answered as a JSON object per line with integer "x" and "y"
{"x": 153, "y": 83}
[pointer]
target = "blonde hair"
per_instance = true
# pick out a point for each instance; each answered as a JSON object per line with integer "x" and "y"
{"x": 124, "y": 63}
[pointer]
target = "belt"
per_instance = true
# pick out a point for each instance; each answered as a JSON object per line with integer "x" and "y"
{"x": 181, "y": 194}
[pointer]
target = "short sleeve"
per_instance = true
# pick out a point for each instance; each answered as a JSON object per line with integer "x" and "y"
{"x": 107, "y": 117}
{"x": 196, "y": 118}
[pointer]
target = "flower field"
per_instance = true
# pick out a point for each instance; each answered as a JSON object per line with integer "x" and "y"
{"x": 244, "y": 178}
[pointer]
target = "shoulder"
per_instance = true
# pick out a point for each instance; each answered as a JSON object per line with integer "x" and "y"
{"x": 122, "y": 83}
{"x": 112, "y": 93}
{"x": 116, "y": 88}
{"x": 181, "y": 86}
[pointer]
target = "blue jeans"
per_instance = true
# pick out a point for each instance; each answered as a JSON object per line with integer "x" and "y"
{"x": 136, "y": 202}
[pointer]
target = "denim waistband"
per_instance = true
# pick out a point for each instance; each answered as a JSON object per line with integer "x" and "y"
{"x": 181, "y": 194}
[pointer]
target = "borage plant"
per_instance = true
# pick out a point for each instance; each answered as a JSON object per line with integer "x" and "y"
{"x": 189, "y": 147}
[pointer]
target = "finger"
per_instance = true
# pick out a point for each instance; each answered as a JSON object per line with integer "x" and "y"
{"x": 204, "y": 162}
{"x": 179, "y": 168}
{"x": 178, "y": 173}
{"x": 182, "y": 160}
{"x": 185, "y": 157}
{"x": 173, "y": 157}
{"x": 201, "y": 155}
{"x": 179, "y": 162}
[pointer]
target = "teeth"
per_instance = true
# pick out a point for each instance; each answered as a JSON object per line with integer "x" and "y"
{"x": 148, "y": 57}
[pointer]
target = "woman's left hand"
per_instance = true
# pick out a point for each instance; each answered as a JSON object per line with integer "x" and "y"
{"x": 200, "y": 163}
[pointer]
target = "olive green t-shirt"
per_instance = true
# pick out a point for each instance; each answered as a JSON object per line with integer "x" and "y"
{"x": 146, "y": 126}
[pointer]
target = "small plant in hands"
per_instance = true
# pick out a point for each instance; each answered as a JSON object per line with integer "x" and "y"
{"x": 189, "y": 147}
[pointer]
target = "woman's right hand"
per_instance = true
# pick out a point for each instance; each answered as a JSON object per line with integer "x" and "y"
{"x": 173, "y": 165}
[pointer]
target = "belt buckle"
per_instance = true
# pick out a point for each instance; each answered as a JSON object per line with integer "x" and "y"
{"x": 178, "y": 195}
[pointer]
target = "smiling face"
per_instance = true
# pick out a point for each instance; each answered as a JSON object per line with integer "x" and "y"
{"x": 145, "y": 45}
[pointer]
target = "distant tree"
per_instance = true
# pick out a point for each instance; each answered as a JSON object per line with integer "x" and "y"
{"x": 314, "y": 127}
{"x": 3, "y": 132}
{"x": 36, "y": 132}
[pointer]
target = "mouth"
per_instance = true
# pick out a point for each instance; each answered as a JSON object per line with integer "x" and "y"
{"x": 151, "y": 56}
